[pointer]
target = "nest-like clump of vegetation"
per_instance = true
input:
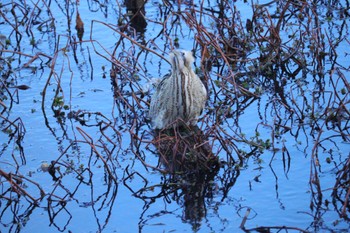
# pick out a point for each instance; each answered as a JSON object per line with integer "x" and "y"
{"x": 186, "y": 150}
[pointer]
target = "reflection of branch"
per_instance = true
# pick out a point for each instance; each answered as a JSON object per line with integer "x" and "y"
{"x": 269, "y": 228}
{"x": 52, "y": 212}
{"x": 125, "y": 36}
{"x": 89, "y": 141}
{"x": 15, "y": 180}
{"x": 342, "y": 185}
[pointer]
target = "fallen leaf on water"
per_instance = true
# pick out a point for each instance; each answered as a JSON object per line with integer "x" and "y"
{"x": 22, "y": 87}
{"x": 79, "y": 26}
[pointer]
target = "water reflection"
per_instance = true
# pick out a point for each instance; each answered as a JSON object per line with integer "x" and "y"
{"x": 192, "y": 177}
{"x": 187, "y": 155}
{"x": 65, "y": 197}
{"x": 190, "y": 168}
{"x": 136, "y": 12}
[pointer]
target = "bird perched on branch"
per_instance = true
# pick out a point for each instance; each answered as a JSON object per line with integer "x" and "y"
{"x": 180, "y": 97}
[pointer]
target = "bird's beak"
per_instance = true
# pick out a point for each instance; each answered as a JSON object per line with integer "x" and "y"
{"x": 176, "y": 61}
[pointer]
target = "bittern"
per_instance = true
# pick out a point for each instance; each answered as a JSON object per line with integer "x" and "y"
{"x": 180, "y": 97}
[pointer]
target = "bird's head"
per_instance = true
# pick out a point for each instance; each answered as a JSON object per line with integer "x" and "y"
{"x": 180, "y": 59}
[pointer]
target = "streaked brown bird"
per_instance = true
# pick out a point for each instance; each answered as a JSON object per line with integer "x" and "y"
{"x": 180, "y": 95}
